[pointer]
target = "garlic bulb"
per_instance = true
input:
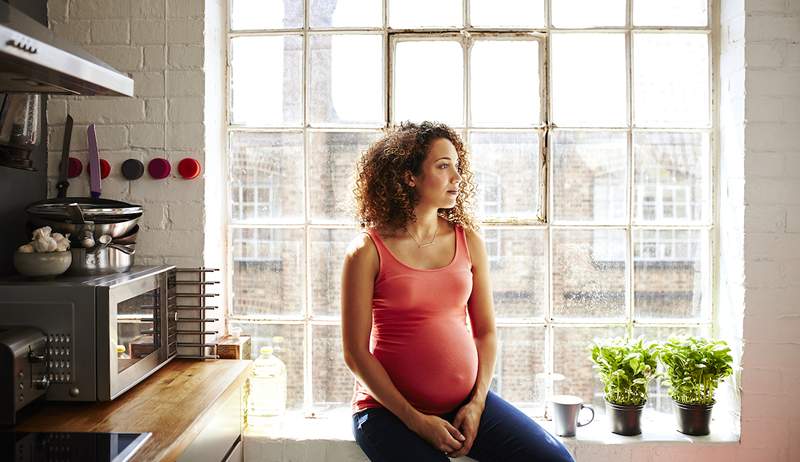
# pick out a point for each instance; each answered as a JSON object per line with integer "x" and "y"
{"x": 25, "y": 248}
{"x": 44, "y": 231}
{"x": 62, "y": 242}
{"x": 45, "y": 244}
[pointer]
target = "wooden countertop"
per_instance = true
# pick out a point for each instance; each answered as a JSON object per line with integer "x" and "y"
{"x": 174, "y": 404}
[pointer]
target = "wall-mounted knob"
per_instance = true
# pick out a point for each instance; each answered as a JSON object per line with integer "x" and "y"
{"x": 132, "y": 169}
{"x": 159, "y": 168}
{"x": 189, "y": 168}
{"x": 74, "y": 167}
{"x": 105, "y": 169}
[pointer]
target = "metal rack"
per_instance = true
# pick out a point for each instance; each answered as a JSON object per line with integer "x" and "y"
{"x": 189, "y": 295}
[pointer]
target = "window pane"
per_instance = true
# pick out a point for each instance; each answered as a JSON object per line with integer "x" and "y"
{"x": 346, "y": 13}
{"x": 519, "y": 370}
{"x": 269, "y": 264}
{"x": 590, "y": 173}
{"x": 505, "y": 83}
{"x": 573, "y": 364}
{"x": 410, "y": 14}
{"x": 333, "y": 158}
{"x": 671, "y": 80}
{"x": 588, "y": 273}
{"x": 266, "y": 176}
{"x": 290, "y": 351}
{"x": 587, "y": 13}
{"x": 429, "y": 82}
{"x": 671, "y": 276}
{"x": 518, "y": 263}
{"x": 346, "y": 78}
{"x": 658, "y": 395}
{"x": 589, "y": 78}
{"x": 661, "y": 13}
{"x": 506, "y": 166}
{"x": 507, "y": 13}
{"x": 266, "y": 14}
{"x": 672, "y": 181}
{"x": 328, "y": 247}
{"x": 266, "y": 81}
{"x": 331, "y": 380}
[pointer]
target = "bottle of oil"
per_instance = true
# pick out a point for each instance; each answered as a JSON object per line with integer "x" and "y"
{"x": 267, "y": 385}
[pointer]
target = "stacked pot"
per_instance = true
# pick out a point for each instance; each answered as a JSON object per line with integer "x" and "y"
{"x": 102, "y": 232}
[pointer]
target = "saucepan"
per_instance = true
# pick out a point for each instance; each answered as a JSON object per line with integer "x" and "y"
{"x": 113, "y": 258}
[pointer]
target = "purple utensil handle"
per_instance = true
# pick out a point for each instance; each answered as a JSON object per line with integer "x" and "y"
{"x": 94, "y": 163}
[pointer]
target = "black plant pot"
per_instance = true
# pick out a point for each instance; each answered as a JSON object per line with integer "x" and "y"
{"x": 693, "y": 419}
{"x": 625, "y": 419}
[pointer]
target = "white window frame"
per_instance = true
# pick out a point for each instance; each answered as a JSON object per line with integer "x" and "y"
{"x": 548, "y": 322}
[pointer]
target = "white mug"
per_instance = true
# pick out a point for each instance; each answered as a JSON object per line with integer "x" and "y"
{"x": 566, "y": 409}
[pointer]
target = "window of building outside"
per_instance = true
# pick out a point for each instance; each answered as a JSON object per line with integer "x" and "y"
{"x": 589, "y": 126}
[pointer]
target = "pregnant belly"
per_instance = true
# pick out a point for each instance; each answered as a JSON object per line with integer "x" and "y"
{"x": 435, "y": 370}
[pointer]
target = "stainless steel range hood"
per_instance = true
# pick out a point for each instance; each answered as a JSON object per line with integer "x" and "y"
{"x": 33, "y": 60}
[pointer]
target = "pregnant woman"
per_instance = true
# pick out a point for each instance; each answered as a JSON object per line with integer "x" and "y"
{"x": 409, "y": 281}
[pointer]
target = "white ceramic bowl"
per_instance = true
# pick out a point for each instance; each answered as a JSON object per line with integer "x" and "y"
{"x": 42, "y": 264}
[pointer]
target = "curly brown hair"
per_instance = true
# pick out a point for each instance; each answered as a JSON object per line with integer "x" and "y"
{"x": 384, "y": 200}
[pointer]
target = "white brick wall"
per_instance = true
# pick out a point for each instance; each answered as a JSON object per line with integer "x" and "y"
{"x": 159, "y": 43}
{"x": 771, "y": 328}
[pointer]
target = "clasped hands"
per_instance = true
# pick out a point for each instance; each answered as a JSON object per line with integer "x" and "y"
{"x": 456, "y": 439}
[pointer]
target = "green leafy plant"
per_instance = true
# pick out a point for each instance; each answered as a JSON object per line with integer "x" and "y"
{"x": 625, "y": 368}
{"x": 695, "y": 367}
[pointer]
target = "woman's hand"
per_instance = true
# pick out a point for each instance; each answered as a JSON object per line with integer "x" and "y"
{"x": 438, "y": 433}
{"x": 467, "y": 420}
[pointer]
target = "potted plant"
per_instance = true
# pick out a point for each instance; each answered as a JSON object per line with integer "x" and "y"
{"x": 694, "y": 368}
{"x": 625, "y": 368}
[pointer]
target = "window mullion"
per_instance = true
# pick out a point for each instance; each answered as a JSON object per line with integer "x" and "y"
{"x": 308, "y": 389}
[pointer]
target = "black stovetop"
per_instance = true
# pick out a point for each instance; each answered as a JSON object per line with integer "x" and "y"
{"x": 69, "y": 447}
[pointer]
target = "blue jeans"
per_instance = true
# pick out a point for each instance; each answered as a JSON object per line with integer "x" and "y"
{"x": 504, "y": 434}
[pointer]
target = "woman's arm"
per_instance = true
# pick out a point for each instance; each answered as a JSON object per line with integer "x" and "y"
{"x": 358, "y": 276}
{"x": 481, "y": 315}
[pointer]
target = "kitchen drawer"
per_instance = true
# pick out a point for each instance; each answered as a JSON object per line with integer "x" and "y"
{"x": 219, "y": 438}
{"x": 237, "y": 454}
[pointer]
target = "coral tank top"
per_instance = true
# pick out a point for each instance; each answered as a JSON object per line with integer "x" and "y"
{"x": 419, "y": 330}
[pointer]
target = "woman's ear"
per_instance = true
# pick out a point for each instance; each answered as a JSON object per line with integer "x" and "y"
{"x": 409, "y": 179}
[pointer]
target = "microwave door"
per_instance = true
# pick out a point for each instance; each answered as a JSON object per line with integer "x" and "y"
{"x": 134, "y": 315}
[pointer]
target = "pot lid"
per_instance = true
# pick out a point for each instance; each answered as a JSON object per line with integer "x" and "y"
{"x": 90, "y": 207}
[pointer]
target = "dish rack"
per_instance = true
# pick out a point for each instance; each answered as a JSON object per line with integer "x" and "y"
{"x": 190, "y": 295}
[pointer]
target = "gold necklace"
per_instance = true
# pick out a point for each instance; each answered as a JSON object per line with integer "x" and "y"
{"x": 416, "y": 241}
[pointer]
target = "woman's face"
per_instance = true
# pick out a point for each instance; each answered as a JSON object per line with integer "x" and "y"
{"x": 438, "y": 182}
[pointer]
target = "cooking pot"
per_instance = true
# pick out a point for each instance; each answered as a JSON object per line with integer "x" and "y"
{"x": 102, "y": 260}
{"x": 79, "y": 215}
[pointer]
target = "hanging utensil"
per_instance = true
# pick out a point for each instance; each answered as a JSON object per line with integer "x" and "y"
{"x": 63, "y": 184}
{"x": 94, "y": 163}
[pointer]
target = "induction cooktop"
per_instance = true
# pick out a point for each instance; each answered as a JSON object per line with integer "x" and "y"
{"x": 69, "y": 446}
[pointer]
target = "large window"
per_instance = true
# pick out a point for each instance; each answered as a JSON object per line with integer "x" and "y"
{"x": 589, "y": 125}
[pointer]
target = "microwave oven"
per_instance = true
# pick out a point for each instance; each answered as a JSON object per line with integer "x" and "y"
{"x": 103, "y": 334}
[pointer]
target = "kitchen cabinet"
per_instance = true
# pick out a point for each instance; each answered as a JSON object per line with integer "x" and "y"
{"x": 218, "y": 439}
{"x": 192, "y": 408}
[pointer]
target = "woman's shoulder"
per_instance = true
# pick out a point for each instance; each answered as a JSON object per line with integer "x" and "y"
{"x": 472, "y": 235}
{"x": 360, "y": 243}
{"x": 361, "y": 249}
{"x": 475, "y": 245}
